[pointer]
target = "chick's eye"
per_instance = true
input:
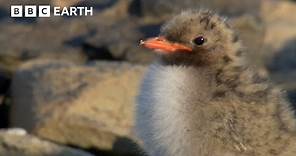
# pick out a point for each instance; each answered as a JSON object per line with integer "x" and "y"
{"x": 200, "y": 40}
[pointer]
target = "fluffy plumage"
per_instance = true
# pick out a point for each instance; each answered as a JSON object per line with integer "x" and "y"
{"x": 211, "y": 102}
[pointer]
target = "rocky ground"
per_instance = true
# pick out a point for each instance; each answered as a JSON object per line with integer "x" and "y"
{"x": 69, "y": 84}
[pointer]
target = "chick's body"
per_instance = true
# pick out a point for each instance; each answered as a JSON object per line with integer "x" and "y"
{"x": 211, "y": 103}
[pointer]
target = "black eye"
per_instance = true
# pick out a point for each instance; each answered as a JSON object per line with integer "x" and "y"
{"x": 200, "y": 40}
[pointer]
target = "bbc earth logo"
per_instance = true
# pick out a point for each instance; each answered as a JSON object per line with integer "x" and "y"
{"x": 48, "y": 11}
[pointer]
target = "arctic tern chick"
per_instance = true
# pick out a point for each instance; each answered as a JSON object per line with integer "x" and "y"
{"x": 201, "y": 98}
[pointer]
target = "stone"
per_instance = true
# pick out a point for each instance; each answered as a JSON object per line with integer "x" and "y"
{"x": 225, "y": 7}
{"x": 279, "y": 40}
{"x": 86, "y": 106}
{"x": 65, "y": 3}
{"x": 20, "y": 43}
{"x": 280, "y": 23}
{"x": 121, "y": 40}
{"x": 280, "y": 44}
{"x": 16, "y": 142}
{"x": 250, "y": 31}
{"x": 5, "y": 82}
{"x": 98, "y": 4}
{"x": 23, "y": 39}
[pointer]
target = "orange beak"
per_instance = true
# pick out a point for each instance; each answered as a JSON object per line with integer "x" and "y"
{"x": 160, "y": 44}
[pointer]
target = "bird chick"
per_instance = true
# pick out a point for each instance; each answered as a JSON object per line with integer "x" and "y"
{"x": 201, "y": 98}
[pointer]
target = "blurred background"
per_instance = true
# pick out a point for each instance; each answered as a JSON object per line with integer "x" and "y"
{"x": 68, "y": 84}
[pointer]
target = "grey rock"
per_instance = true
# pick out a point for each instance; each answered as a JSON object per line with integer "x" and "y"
{"x": 121, "y": 40}
{"x": 251, "y": 32}
{"x": 5, "y": 82}
{"x": 226, "y": 7}
{"x": 16, "y": 142}
{"x": 23, "y": 39}
{"x": 20, "y": 43}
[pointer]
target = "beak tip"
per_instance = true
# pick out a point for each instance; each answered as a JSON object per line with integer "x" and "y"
{"x": 142, "y": 42}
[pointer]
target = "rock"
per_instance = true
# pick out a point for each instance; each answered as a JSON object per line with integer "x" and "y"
{"x": 280, "y": 23}
{"x": 114, "y": 35}
{"x": 41, "y": 41}
{"x": 280, "y": 44}
{"x": 65, "y": 3}
{"x": 5, "y": 81}
{"x": 4, "y": 112}
{"x": 284, "y": 59}
{"x": 121, "y": 40}
{"x": 23, "y": 39}
{"x": 98, "y": 4}
{"x": 282, "y": 68}
{"x": 16, "y": 142}
{"x": 89, "y": 107}
{"x": 279, "y": 40}
{"x": 225, "y": 7}
{"x": 250, "y": 31}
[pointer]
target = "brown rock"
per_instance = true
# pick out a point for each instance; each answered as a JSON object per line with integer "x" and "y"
{"x": 280, "y": 21}
{"x": 89, "y": 107}
{"x": 65, "y": 3}
{"x": 16, "y": 142}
